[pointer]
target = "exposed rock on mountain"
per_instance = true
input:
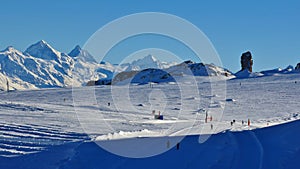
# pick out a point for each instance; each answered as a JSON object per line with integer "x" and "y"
{"x": 297, "y": 67}
{"x": 246, "y": 61}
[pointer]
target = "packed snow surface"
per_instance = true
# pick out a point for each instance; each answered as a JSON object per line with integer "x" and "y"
{"x": 43, "y": 124}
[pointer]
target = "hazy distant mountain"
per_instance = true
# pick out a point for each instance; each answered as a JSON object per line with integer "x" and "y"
{"x": 146, "y": 62}
{"x": 78, "y": 53}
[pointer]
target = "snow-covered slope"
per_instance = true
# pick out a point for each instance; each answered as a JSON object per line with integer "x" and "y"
{"x": 247, "y": 74}
{"x": 40, "y": 129}
{"x": 275, "y": 147}
{"x": 289, "y": 69}
{"x": 198, "y": 69}
{"x": 273, "y": 72}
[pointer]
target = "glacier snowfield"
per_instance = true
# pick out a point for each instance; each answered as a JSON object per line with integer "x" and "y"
{"x": 49, "y": 128}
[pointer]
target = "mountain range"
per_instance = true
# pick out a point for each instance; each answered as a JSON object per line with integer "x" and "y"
{"x": 42, "y": 66}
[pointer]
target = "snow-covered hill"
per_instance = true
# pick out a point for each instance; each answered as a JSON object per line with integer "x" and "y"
{"x": 247, "y": 74}
{"x": 287, "y": 70}
{"x": 273, "y": 72}
{"x": 198, "y": 69}
{"x": 171, "y": 73}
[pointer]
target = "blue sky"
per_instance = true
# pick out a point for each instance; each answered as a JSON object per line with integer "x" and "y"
{"x": 269, "y": 29}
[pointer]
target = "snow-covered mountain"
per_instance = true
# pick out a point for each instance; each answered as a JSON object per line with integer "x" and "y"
{"x": 24, "y": 70}
{"x": 85, "y": 67}
{"x": 41, "y": 66}
{"x": 79, "y": 53}
{"x": 146, "y": 62}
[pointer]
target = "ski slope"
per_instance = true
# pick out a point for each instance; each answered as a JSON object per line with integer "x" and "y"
{"x": 46, "y": 128}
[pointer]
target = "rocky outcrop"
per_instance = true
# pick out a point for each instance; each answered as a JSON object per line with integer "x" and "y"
{"x": 246, "y": 61}
{"x": 297, "y": 67}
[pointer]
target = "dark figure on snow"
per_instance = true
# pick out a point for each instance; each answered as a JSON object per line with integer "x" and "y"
{"x": 177, "y": 146}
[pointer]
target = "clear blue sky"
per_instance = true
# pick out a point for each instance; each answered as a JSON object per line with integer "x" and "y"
{"x": 269, "y": 29}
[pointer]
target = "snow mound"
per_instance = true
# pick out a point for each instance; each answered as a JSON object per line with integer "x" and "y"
{"x": 274, "y": 72}
{"x": 247, "y": 74}
{"x": 198, "y": 69}
{"x": 127, "y": 134}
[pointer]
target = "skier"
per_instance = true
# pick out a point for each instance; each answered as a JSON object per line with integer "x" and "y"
{"x": 7, "y": 85}
{"x": 168, "y": 144}
{"x": 248, "y": 122}
{"x": 177, "y": 146}
{"x": 108, "y": 103}
{"x": 211, "y": 126}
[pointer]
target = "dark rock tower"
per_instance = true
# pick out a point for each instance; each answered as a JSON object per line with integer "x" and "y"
{"x": 246, "y": 61}
{"x": 298, "y": 66}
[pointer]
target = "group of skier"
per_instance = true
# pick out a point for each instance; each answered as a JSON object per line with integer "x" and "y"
{"x": 209, "y": 118}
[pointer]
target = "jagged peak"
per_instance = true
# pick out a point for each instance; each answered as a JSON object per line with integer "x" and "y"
{"x": 43, "y": 41}
{"x": 10, "y": 49}
{"x": 41, "y": 44}
{"x": 150, "y": 57}
{"x": 43, "y": 50}
{"x": 77, "y": 47}
{"x": 147, "y": 59}
{"x": 76, "y": 51}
